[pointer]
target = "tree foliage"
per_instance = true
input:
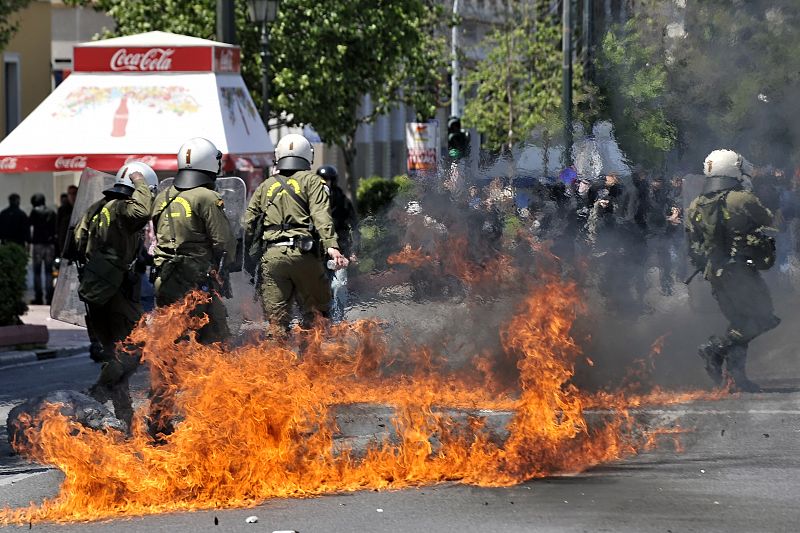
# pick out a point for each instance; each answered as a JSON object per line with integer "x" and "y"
{"x": 329, "y": 53}
{"x": 516, "y": 88}
{"x": 717, "y": 74}
{"x": 633, "y": 74}
{"x": 13, "y": 267}
{"x": 9, "y": 24}
{"x": 325, "y": 55}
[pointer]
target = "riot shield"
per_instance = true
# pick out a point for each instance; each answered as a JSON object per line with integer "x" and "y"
{"x": 234, "y": 193}
{"x": 66, "y": 305}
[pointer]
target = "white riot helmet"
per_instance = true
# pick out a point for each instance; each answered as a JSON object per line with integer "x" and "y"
{"x": 199, "y": 164}
{"x": 124, "y": 184}
{"x": 727, "y": 163}
{"x": 294, "y": 152}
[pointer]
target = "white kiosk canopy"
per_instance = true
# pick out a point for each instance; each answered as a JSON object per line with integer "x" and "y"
{"x": 139, "y": 98}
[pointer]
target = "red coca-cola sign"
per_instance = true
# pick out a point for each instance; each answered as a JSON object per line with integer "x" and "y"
{"x": 150, "y": 160}
{"x": 8, "y": 163}
{"x": 156, "y": 59}
{"x": 159, "y": 59}
{"x": 75, "y": 162}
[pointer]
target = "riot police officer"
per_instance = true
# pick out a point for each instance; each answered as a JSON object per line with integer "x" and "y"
{"x": 290, "y": 213}
{"x": 108, "y": 238}
{"x": 726, "y": 227}
{"x": 193, "y": 234}
{"x": 194, "y": 243}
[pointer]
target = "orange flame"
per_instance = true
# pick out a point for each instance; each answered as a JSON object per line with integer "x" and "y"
{"x": 258, "y": 421}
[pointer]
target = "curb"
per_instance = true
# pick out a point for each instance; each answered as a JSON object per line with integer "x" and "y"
{"x": 41, "y": 354}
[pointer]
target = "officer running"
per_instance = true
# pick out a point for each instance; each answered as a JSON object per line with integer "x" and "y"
{"x": 725, "y": 226}
{"x": 290, "y": 213}
{"x": 195, "y": 244}
{"x": 345, "y": 223}
{"x": 194, "y": 236}
{"x": 108, "y": 238}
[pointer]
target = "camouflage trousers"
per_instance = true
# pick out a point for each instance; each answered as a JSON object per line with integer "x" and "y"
{"x": 168, "y": 292}
{"x": 744, "y": 300}
{"x": 287, "y": 274}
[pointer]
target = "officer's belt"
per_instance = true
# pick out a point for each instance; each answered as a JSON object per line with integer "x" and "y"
{"x": 290, "y": 242}
{"x": 285, "y": 227}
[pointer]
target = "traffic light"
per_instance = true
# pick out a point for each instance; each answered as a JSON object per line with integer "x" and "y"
{"x": 457, "y": 139}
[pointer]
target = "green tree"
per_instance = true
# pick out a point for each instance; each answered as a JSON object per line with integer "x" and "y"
{"x": 326, "y": 55}
{"x": 633, "y": 74}
{"x": 329, "y": 53}
{"x": 9, "y": 24}
{"x": 708, "y": 75}
{"x": 516, "y": 88}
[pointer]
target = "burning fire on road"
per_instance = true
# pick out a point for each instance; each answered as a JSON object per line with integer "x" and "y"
{"x": 257, "y": 420}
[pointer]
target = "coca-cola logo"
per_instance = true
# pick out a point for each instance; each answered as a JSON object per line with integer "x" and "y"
{"x": 152, "y": 59}
{"x": 8, "y": 163}
{"x": 77, "y": 162}
{"x": 149, "y": 160}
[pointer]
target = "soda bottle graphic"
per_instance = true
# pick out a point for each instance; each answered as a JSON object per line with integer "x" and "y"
{"x": 120, "y": 118}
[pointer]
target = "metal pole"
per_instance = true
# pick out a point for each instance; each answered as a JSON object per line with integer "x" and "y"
{"x": 566, "y": 89}
{"x": 265, "y": 75}
{"x": 588, "y": 7}
{"x": 455, "y": 87}
{"x": 226, "y": 24}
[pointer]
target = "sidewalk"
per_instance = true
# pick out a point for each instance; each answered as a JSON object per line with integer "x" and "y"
{"x": 64, "y": 339}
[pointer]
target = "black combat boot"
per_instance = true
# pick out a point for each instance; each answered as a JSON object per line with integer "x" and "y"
{"x": 123, "y": 407}
{"x": 100, "y": 393}
{"x": 737, "y": 359}
{"x": 713, "y": 353}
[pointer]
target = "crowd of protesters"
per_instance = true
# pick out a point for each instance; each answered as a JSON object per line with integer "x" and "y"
{"x": 42, "y": 232}
{"x": 622, "y": 234}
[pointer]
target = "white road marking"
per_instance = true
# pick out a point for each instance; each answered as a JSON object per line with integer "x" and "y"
{"x": 10, "y": 480}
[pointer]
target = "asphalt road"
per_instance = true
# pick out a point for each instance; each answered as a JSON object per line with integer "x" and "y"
{"x": 738, "y": 472}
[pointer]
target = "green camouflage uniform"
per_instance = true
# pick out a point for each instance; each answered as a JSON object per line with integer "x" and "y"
{"x": 202, "y": 235}
{"x": 112, "y": 231}
{"x": 288, "y": 273}
{"x": 738, "y": 287}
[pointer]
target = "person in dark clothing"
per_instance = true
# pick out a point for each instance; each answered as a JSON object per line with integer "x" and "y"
{"x": 345, "y": 223}
{"x": 63, "y": 216}
{"x": 14, "y": 223}
{"x": 43, "y": 223}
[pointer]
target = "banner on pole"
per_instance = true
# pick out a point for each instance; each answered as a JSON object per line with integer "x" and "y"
{"x": 422, "y": 144}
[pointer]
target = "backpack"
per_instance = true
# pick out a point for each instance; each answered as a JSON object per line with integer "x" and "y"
{"x": 712, "y": 242}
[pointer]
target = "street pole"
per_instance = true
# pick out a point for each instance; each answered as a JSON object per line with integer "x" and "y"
{"x": 226, "y": 24}
{"x": 566, "y": 90}
{"x": 588, "y": 17}
{"x": 265, "y": 75}
{"x": 455, "y": 88}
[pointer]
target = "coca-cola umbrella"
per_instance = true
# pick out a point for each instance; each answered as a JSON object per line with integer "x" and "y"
{"x": 139, "y": 98}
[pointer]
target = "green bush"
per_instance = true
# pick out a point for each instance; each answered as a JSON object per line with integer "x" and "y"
{"x": 375, "y": 194}
{"x": 13, "y": 269}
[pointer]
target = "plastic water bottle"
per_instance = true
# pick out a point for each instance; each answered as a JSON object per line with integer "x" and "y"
{"x": 331, "y": 264}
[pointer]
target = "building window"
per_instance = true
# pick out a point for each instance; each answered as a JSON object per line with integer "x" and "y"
{"x": 13, "y": 97}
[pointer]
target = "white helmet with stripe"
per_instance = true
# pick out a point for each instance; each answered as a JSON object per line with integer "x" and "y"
{"x": 727, "y": 163}
{"x": 294, "y": 152}
{"x": 199, "y": 163}
{"x": 124, "y": 179}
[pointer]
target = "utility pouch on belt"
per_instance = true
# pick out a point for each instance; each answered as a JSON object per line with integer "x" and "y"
{"x": 101, "y": 280}
{"x": 305, "y": 244}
